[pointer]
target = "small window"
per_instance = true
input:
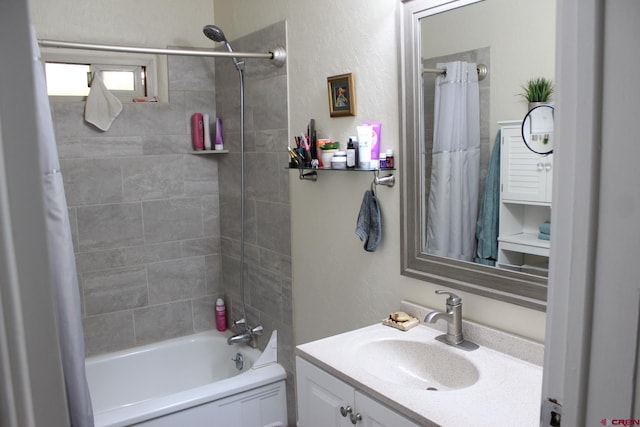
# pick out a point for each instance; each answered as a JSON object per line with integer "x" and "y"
{"x": 65, "y": 79}
{"x": 69, "y": 76}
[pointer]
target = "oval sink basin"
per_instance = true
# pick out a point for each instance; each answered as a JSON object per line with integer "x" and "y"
{"x": 417, "y": 365}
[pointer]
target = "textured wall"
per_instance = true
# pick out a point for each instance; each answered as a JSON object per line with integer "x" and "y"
{"x": 144, "y": 214}
{"x": 151, "y": 23}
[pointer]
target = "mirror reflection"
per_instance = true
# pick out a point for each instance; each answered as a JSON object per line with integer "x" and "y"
{"x": 537, "y": 129}
{"x": 485, "y": 196}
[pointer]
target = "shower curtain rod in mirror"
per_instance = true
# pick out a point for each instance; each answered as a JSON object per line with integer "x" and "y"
{"x": 278, "y": 54}
{"x": 482, "y": 71}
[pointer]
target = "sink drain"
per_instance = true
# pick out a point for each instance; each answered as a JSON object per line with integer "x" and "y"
{"x": 432, "y": 389}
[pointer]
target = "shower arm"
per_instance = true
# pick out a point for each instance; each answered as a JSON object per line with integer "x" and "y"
{"x": 278, "y": 55}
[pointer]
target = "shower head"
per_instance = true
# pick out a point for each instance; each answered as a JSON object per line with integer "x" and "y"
{"x": 214, "y": 33}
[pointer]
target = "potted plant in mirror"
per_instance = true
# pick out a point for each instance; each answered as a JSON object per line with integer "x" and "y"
{"x": 328, "y": 149}
{"x": 537, "y": 91}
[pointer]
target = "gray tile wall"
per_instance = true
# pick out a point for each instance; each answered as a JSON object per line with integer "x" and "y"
{"x": 145, "y": 215}
{"x": 267, "y": 274}
{"x": 157, "y": 230}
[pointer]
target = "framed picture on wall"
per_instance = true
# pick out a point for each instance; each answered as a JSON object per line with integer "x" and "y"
{"x": 342, "y": 95}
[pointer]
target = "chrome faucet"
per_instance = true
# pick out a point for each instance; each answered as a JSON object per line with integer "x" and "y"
{"x": 453, "y": 316}
{"x": 248, "y": 335}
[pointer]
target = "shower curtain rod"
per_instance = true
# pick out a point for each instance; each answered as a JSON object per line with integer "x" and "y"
{"x": 277, "y": 55}
{"x": 482, "y": 71}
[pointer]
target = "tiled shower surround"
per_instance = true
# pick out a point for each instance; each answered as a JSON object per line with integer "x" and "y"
{"x": 157, "y": 230}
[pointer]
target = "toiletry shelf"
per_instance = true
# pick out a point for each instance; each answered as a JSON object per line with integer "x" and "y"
{"x": 344, "y": 170}
{"x": 312, "y": 174}
{"x": 205, "y": 152}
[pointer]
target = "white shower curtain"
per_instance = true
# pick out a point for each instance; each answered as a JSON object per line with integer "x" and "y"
{"x": 61, "y": 257}
{"x": 455, "y": 172}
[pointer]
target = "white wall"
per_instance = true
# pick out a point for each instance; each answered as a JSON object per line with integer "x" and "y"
{"x": 149, "y": 23}
{"x": 338, "y": 286}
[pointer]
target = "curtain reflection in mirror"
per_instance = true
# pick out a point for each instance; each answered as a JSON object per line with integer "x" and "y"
{"x": 455, "y": 170}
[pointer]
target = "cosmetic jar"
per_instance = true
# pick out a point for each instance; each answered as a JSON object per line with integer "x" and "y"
{"x": 339, "y": 160}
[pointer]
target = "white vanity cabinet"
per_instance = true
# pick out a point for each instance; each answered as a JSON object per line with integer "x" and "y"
{"x": 525, "y": 202}
{"x": 325, "y": 401}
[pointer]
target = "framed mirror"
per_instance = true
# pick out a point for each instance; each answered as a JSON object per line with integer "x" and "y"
{"x": 436, "y": 34}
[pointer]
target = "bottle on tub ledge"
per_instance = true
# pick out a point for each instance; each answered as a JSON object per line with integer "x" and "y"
{"x": 221, "y": 315}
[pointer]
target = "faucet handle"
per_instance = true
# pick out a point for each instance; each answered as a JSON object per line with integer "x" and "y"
{"x": 453, "y": 298}
{"x": 257, "y": 330}
{"x": 240, "y": 322}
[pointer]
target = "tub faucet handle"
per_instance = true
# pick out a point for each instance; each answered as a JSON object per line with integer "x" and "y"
{"x": 240, "y": 322}
{"x": 257, "y": 330}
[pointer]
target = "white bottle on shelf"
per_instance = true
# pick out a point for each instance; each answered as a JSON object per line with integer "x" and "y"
{"x": 207, "y": 132}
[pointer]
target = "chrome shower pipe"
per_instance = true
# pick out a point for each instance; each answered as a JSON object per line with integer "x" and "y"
{"x": 242, "y": 195}
{"x": 278, "y": 55}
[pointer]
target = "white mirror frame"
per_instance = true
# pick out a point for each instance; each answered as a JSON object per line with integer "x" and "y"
{"x": 500, "y": 284}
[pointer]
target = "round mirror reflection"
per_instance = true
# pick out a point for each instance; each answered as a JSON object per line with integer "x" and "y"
{"x": 537, "y": 129}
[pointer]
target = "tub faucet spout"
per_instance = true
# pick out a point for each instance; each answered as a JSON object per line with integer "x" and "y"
{"x": 248, "y": 335}
{"x": 241, "y": 337}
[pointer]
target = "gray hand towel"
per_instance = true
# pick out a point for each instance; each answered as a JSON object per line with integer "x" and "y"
{"x": 369, "y": 226}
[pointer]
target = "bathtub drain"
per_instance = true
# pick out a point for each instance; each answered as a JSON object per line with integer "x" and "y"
{"x": 239, "y": 361}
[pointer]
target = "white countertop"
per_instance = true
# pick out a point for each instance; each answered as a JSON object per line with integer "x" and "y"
{"x": 507, "y": 393}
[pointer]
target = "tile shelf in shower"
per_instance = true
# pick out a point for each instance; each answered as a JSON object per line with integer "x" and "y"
{"x": 206, "y": 152}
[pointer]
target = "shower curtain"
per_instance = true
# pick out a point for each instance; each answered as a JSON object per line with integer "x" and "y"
{"x": 455, "y": 172}
{"x": 64, "y": 279}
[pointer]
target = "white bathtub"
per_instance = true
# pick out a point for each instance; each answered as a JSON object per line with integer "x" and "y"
{"x": 188, "y": 381}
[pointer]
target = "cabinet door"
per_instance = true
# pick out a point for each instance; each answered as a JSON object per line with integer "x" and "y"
{"x": 523, "y": 173}
{"x": 376, "y": 415}
{"x": 321, "y": 397}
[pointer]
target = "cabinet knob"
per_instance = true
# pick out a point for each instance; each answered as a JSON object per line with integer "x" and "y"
{"x": 345, "y": 411}
{"x": 355, "y": 418}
